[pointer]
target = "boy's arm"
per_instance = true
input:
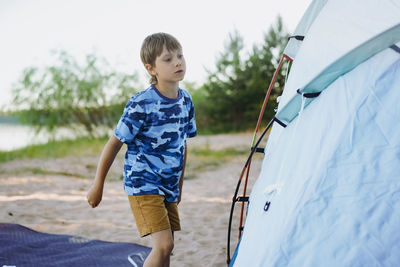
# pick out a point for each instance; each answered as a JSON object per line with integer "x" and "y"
{"x": 182, "y": 175}
{"x": 107, "y": 157}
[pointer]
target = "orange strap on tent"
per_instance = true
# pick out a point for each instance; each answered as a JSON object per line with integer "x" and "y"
{"x": 248, "y": 162}
{"x": 271, "y": 85}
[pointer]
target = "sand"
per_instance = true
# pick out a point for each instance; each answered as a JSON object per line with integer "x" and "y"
{"x": 55, "y": 202}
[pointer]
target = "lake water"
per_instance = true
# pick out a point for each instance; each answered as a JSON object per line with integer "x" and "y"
{"x": 14, "y": 136}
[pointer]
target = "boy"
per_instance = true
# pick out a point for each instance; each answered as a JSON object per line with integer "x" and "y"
{"x": 154, "y": 125}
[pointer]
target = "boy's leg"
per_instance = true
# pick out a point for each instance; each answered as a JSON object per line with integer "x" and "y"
{"x": 158, "y": 218}
{"x": 163, "y": 243}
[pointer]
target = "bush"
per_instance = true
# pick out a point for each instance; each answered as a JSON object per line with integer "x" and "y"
{"x": 70, "y": 95}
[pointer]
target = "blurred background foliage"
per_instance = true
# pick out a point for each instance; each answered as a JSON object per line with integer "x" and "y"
{"x": 86, "y": 96}
{"x": 71, "y": 95}
{"x": 231, "y": 98}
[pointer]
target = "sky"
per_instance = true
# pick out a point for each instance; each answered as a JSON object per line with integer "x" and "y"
{"x": 115, "y": 29}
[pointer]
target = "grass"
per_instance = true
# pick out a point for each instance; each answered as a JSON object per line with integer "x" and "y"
{"x": 199, "y": 158}
{"x": 202, "y": 158}
{"x": 56, "y": 149}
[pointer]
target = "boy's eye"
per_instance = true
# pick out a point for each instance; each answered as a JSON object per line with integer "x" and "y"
{"x": 180, "y": 56}
{"x": 167, "y": 59}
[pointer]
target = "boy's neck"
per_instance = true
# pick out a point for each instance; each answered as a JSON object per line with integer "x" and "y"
{"x": 169, "y": 90}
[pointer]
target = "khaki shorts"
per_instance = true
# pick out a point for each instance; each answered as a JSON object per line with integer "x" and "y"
{"x": 153, "y": 214}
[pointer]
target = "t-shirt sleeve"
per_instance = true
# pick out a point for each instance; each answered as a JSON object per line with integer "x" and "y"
{"x": 130, "y": 122}
{"x": 192, "y": 129}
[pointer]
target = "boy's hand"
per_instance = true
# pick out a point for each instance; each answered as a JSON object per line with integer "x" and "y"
{"x": 94, "y": 195}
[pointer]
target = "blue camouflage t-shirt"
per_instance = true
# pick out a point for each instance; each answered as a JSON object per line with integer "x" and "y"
{"x": 155, "y": 129}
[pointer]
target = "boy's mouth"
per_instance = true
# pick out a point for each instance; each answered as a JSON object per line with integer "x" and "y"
{"x": 179, "y": 71}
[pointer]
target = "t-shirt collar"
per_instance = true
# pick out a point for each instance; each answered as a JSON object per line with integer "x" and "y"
{"x": 167, "y": 98}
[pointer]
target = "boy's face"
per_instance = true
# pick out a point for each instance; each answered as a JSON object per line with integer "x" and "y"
{"x": 169, "y": 67}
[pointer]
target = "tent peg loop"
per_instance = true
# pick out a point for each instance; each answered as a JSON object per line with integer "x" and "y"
{"x": 279, "y": 122}
{"x": 395, "y": 48}
{"x": 258, "y": 150}
{"x": 242, "y": 199}
{"x": 308, "y": 95}
{"x": 266, "y": 206}
{"x": 297, "y": 37}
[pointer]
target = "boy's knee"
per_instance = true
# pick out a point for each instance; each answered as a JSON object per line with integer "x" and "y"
{"x": 163, "y": 243}
{"x": 168, "y": 247}
{"x": 165, "y": 248}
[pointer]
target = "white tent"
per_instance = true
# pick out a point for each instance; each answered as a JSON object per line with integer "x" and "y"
{"x": 332, "y": 175}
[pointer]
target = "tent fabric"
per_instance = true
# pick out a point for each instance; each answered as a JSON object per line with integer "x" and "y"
{"x": 336, "y": 44}
{"x": 303, "y": 26}
{"x": 23, "y": 247}
{"x": 333, "y": 178}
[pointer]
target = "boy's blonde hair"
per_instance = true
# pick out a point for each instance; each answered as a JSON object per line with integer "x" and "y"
{"x": 153, "y": 46}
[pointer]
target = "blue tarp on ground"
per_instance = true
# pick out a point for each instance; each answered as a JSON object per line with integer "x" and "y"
{"x": 21, "y": 246}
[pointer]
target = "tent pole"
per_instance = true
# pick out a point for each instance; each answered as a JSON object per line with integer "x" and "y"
{"x": 271, "y": 85}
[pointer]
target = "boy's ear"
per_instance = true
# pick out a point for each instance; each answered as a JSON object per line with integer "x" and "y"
{"x": 150, "y": 69}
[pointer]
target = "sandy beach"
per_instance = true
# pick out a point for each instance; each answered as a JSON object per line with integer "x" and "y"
{"x": 54, "y": 201}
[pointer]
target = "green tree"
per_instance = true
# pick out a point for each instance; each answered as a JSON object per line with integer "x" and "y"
{"x": 234, "y": 93}
{"x": 223, "y": 108}
{"x": 71, "y": 95}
